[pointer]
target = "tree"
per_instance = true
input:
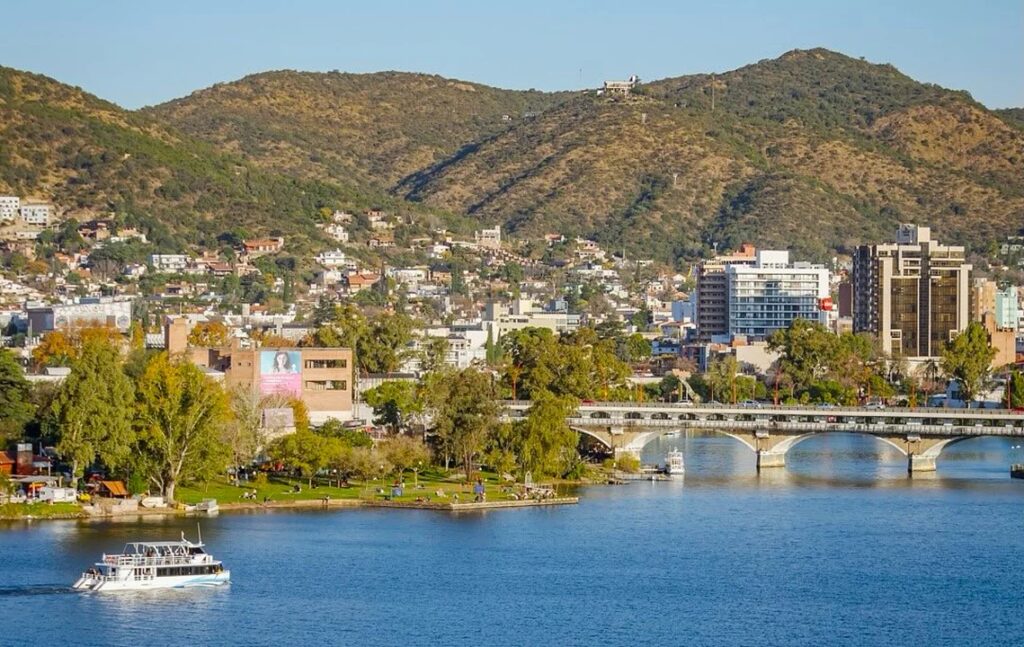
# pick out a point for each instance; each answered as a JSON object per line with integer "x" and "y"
{"x": 464, "y": 410}
{"x": 179, "y": 413}
{"x": 243, "y": 434}
{"x": 546, "y": 444}
{"x": 333, "y": 428}
{"x": 392, "y": 402}
{"x": 56, "y": 348}
{"x": 433, "y": 354}
{"x": 16, "y": 407}
{"x": 1015, "y": 388}
{"x": 403, "y": 453}
{"x": 967, "y": 359}
{"x": 637, "y": 348}
{"x": 92, "y": 410}
{"x": 208, "y": 334}
{"x": 305, "y": 452}
{"x": 721, "y": 378}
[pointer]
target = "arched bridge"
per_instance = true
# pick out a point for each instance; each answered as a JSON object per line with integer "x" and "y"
{"x": 770, "y": 431}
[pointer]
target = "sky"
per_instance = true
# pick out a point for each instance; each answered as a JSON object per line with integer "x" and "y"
{"x": 138, "y": 53}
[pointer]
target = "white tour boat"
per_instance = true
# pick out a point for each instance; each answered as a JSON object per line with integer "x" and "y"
{"x": 155, "y": 565}
{"x": 674, "y": 463}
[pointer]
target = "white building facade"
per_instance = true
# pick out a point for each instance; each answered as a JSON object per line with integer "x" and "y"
{"x": 37, "y": 214}
{"x": 10, "y": 207}
{"x": 770, "y": 294}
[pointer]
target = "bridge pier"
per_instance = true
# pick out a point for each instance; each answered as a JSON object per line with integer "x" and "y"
{"x": 920, "y": 463}
{"x": 768, "y": 458}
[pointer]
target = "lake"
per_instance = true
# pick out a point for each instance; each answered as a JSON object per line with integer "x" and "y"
{"x": 839, "y": 548}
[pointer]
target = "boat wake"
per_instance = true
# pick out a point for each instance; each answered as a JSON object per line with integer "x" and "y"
{"x": 36, "y": 589}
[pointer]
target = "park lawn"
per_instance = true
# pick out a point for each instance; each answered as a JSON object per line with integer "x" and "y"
{"x": 226, "y": 492}
{"x": 282, "y": 490}
{"x": 39, "y": 510}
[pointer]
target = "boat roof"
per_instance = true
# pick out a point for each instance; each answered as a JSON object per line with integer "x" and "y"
{"x": 184, "y": 543}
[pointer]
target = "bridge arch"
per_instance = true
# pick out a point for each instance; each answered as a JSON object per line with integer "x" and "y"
{"x": 789, "y": 443}
{"x": 592, "y": 434}
{"x": 643, "y": 439}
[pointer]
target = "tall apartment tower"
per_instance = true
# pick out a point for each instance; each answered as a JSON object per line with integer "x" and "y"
{"x": 914, "y": 295}
{"x": 713, "y": 291}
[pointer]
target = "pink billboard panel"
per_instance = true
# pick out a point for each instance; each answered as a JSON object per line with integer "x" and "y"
{"x": 279, "y": 372}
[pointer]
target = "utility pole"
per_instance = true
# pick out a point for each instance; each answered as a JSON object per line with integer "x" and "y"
{"x": 712, "y": 92}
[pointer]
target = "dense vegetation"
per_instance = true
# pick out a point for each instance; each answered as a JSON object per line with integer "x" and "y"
{"x": 92, "y": 158}
{"x": 372, "y": 128}
{"x": 813, "y": 150}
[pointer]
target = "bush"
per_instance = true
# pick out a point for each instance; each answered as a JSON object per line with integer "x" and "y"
{"x": 628, "y": 463}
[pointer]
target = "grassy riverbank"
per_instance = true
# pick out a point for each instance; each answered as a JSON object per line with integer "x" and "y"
{"x": 432, "y": 487}
{"x": 432, "y": 490}
{"x": 40, "y": 511}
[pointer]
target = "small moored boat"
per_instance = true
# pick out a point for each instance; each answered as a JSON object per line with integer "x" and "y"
{"x": 155, "y": 565}
{"x": 674, "y": 463}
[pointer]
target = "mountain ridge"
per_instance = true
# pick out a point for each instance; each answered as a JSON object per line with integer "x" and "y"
{"x": 813, "y": 150}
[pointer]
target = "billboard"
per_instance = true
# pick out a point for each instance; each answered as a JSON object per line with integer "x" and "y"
{"x": 279, "y": 372}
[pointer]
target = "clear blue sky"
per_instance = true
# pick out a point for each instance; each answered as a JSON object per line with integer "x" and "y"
{"x": 140, "y": 52}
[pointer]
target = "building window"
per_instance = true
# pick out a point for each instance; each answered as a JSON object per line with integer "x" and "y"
{"x": 326, "y": 363}
{"x": 326, "y": 385}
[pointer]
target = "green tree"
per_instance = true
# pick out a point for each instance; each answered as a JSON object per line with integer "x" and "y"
{"x": 968, "y": 359}
{"x": 433, "y": 354}
{"x": 334, "y": 428}
{"x": 392, "y": 401}
{"x": 721, "y": 379}
{"x": 179, "y": 414}
{"x": 464, "y": 411}
{"x": 16, "y": 408}
{"x": 1015, "y": 388}
{"x": 546, "y": 443}
{"x": 305, "y": 452}
{"x": 404, "y": 453}
{"x": 637, "y": 347}
{"x": 92, "y": 410}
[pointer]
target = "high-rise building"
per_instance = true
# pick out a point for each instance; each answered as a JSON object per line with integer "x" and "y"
{"x": 770, "y": 294}
{"x": 914, "y": 294}
{"x": 713, "y": 292}
{"x": 1007, "y": 308}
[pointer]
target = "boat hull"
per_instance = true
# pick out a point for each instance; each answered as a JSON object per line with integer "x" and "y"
{"x": 88, "y": 583}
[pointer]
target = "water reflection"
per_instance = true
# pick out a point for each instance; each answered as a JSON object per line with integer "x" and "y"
{"x": 839, "y": 459}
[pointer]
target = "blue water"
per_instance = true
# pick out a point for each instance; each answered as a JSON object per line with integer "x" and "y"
{"x": 838, "y": 548}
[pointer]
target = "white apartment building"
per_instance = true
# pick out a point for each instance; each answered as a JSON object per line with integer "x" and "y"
{"x": 10, "y": 207}
{"x": 337, "y": 232}
{"x": 501, "y": 319}
{"x": 38, "y": 214}
{"x": 333, "y": 258}
{"x": 770, "y": 294}
{"x": 169, "y": 263}
{"x": 489, "y": 238}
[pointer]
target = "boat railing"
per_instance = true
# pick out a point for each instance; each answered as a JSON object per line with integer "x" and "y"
{"x": 156, "y": 560}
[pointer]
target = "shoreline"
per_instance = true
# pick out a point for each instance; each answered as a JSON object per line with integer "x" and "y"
{"x": 321, "y": 504}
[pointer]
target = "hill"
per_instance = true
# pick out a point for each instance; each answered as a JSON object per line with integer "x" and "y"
{"x": 813, "y": 150}
{"x": 370, "y": 129}
{"x": 91, "y": 157}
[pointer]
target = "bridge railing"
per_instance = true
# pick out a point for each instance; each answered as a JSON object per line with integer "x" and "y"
{"x": 788, "y": 408}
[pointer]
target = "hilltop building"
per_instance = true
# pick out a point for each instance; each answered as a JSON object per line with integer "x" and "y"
{"x": 914, "y": 294}
{"x": 621, "y": 87}
{"x": 488, "y": 238}
{"x": 10, "y": 207}
{"x": 38, "y": 214}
